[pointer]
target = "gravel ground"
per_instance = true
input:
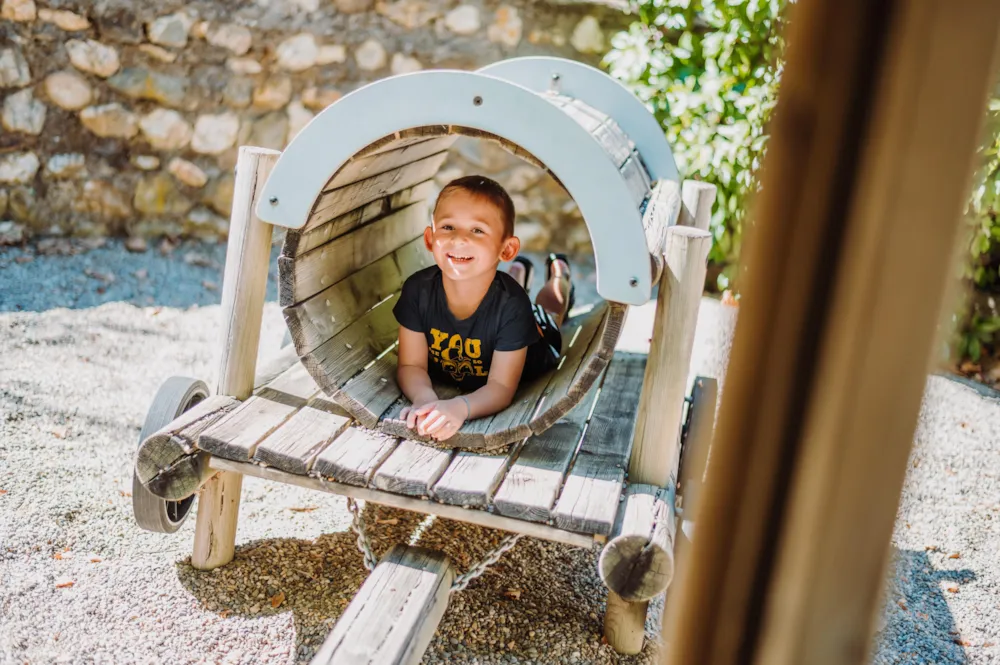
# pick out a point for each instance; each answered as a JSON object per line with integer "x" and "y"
{"x": 87, "y": 339}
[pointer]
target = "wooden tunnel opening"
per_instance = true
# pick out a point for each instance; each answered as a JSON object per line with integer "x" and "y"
{"x": 341, "y": 273}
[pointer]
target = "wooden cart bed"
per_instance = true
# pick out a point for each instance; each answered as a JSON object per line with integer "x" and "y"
{"x": 563, "y": 484}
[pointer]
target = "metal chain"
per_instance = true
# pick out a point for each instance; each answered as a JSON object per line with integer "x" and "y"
{"x": 491, "y": 558}
{"x": 462, "y": 581}
{"x": 358, "y": 526}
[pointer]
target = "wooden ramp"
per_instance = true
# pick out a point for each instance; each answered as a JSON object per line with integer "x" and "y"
{"x": 393, "y": 617}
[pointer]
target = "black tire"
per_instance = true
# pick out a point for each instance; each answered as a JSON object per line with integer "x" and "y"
{"x": 696, "y": 440}
{"x": 175, "y": 396}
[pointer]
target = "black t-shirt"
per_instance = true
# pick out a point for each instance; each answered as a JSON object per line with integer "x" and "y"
{"x": 460, "y": 352}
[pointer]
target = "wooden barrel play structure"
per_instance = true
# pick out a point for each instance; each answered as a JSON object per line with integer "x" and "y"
{"x": 586, "y": 453}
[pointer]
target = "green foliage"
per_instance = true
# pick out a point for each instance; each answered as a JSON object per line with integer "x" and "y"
{"x": 709, "y": 72}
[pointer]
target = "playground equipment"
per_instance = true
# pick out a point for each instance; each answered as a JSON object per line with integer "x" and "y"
{"x": 587, "y": 453}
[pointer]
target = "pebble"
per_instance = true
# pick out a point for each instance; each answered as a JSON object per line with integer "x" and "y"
{"x": 244, "y": 66}
{"x": 297, "y": 53}
{"x": 507, "y": 27}
{"x": 166, "y": 129}
{"x": 143, "y": 83}
{"x": 14, "y": 69}
{"x": 64, "y": 20}
{"x": 110, "y": 120}
{"x": 23, "y": 113}
{"x": 236, "y": 38}
{"x": 93, "y": 57}
{"x": 64, "y": 166}
{"x": 371, "y": 55}
{"x": 158, "y": 53}
{"x": 214, "y": 133}
{"x": 404, "y": 64}
{"x": 587, "y": 36}
{"x": 18, "y": 167}
{"x": 331, "y": 54}
{"x": 171, "y": 30}
{"x": 187, "y": 172}
{"x": 273, "y": 93}
{"x": 68, "y": 90}
{"x": 463, "y": 20}
{"x": 158, "y": 195}
{"x": 18, "y": 10}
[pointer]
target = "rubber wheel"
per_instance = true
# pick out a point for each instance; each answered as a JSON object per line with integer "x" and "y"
{"x": 696, "y": 440}
{"x": 175, "y": 396}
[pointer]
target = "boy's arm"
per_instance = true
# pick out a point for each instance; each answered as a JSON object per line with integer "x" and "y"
{"x": 442, "y": 418}
{"x": 411, "y": 371}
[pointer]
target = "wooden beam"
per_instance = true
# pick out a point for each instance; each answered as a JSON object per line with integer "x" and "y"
{"x": 448, "y": 511}
{"x": 248, "y": 255}
{"x": 865, "y": 177}
{"x": 394, "y": 615}
{"x": 638, "y": 561}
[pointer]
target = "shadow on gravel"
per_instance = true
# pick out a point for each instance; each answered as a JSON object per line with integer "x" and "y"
{"x": 536, "y": 591}
{"x": 920, "y": 627}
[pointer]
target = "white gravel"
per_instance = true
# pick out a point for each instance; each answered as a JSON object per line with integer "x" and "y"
{"x": 80, "y": 583}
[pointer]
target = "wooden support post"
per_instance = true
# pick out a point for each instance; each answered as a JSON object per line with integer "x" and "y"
{"x": 393, "y": 617}
{"x": 655, "y": 448}
{"x": 698, "y": 198}
{"x": 638, "y": 561}
{"x": 849, "y": 264}
{"x": 244, "y": 284}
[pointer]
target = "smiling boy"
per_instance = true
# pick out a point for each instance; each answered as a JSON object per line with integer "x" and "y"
{"x": 464, "y": 322}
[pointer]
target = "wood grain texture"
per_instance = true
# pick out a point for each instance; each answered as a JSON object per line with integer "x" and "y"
{"x": 388, "y": 160}
{"x": 236, "y": 436}
{"x": 530, "y": 488}
{"x": 479, "y": 517}
{"x": 471, "y": 479}
{"x": 393, "y": 617}
{"x": 624, "y": 625}
{"x": 412, "y": 469}
{"x": 248, "y": 255}
{"x": 307, "y": 274}
{"x": 317, "y": 319}
{"x": 662, "y": 211}
{"x": 637, "y": 563}
{"x": 294, "y": 445}
{"x": 354, "y": 456}
{"x": 311, "y": 236}
{"x": 657, "y": 431}
{"x": 371, "y": 393}
{"x": 334, "y": 203}
{"x": 590, "y": 497}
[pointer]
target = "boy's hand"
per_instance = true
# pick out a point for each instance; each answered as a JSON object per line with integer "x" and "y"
{"x": 439, "y": 419}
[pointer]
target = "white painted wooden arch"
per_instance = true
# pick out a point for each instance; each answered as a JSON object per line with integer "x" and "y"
{"x": 487, "y": 103}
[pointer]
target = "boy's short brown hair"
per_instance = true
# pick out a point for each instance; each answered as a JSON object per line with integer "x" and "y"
{"x": 488, "y": 189}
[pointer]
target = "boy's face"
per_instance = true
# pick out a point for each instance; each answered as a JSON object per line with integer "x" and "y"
{"x": 467, "y": 239}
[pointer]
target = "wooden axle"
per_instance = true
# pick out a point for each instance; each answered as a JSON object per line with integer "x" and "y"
{"x": 638, "y": 561}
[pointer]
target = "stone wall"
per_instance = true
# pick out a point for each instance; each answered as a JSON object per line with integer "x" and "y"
{"x": 123, "y": 117}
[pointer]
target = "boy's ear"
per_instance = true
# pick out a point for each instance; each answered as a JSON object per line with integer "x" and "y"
{"x": 429, "y": 239}
{"x": 511, "y": 246}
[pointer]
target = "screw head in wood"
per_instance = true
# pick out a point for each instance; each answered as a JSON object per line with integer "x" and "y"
{"x": 634, "y": 282}
{"x": 273, "y": 200}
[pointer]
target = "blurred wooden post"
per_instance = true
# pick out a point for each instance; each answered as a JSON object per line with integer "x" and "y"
{"x": 658, "y": 424}
{"x": 248, "y": 257}
{"x": 864, "y": 180}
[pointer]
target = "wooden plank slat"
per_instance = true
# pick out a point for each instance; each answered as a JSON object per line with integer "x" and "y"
{"x": 308, "y": 274}
{"x": 341, "y": 357}
{"x": 412, "y": 469}
{"x": 448, "y": 511}
{"x": 372, "y": 392}
{"x": 317, "y": 319}
{"x": 338, "y": 201}
{"x": 393, "y": 617}
{"x": 316, "y": 233}
{"x": 294, "y": 445}
{"x": 294, "y": 385}
{"x": 530, "y": 488}
{"x": 388, "y": 160}
{"x": 236, "y": 436}
{"x": 471, "y": 479}
{"x": 636, "y": 179}
{"x": 590, "y": 499}
{"x": 354, "y": 456}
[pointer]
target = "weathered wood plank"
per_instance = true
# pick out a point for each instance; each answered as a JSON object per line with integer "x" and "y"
{"x": 236, "y": 436}
{"x": 393, "y": 617}
{"x": 312, "y": 235}
{"x": 294, "y": 445}
{"x": 412, "y": 469}
{"x": 638, "y": 561}
{"x": 590, "y": 498}
{"x": 371, "y": 393}
{"x": 317, "y": 319}
{"x": 341, "y": 357}
{"x": 338, "y": 201}
{"x": 294, "y": 386}
{"x": 636, "y": 179}
{"x": 309, "y": 273}
{"x": 471, "y": 479}
{"x": 530, "y": 488}
{"x": 388, "y": 160}
{"x": 662, "y": 211}
{"x": 354, "y": 456}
